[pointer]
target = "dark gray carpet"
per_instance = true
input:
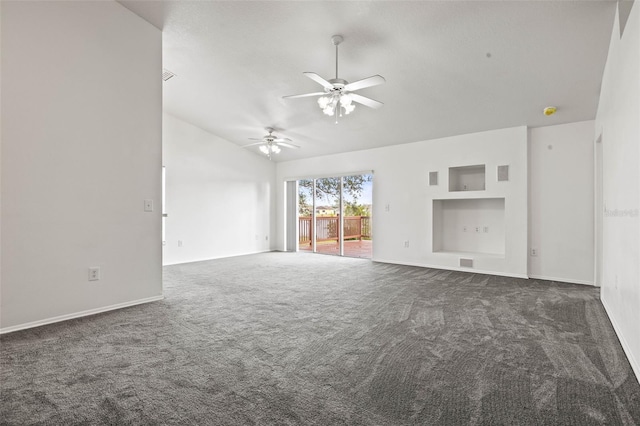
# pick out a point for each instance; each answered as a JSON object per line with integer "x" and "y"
{"x": 304, "y": 339}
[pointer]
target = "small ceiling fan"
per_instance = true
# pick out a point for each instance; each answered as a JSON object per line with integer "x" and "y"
{"x": 338, "y": 94}
{"x": 270, "y": 144}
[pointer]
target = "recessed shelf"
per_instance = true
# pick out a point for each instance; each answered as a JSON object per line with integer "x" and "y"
{"x": 469, "y": 226}
{"x": 467, "y": 178}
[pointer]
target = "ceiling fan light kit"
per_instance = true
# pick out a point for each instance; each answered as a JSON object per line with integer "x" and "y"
{"x": 270, "y": 144}
{"x": 338, "y": 97}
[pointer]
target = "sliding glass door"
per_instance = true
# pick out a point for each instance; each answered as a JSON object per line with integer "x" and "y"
{"x": 334, "y": 215}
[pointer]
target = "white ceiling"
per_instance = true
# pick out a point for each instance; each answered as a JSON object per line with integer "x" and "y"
{"x": 451, "y": 67}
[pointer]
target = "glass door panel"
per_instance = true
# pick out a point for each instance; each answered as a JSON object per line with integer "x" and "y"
{"x": 327, "y": 213}
{"x": 357, "y": 198}
{"x": 305, "y": 214}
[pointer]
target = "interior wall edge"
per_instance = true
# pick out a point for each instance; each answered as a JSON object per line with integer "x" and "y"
{"x": 635, "y": 364}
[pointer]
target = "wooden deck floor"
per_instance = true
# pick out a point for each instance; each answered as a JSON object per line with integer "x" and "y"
{"x": 363, "y": 249}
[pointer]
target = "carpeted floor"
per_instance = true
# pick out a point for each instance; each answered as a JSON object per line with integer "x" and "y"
{"x": 306, "y": 339}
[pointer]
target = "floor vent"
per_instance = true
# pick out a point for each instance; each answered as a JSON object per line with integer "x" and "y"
{"x": 466, "y": 263}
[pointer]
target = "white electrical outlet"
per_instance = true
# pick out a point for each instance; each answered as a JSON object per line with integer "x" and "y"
{"x": 477, "y": 229}
{"x": 485, "y": 229}
{"x": 534, "y": 251}
{"x": 94, "y": 273}
{"x": 406, "y": 244}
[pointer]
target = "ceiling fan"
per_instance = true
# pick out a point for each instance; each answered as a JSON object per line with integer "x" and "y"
{"x": 338, "y": 94}
{"x": 270, "y": 144}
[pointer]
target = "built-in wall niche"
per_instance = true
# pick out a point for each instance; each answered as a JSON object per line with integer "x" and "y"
{"x": 473, "y": 226}
{"x": 467, "y": 178}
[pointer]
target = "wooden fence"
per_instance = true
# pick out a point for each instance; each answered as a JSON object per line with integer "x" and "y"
{"x": 328, "y": 227}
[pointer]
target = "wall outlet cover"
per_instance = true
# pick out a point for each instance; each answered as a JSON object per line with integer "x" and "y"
{"x": 94, "y": 273}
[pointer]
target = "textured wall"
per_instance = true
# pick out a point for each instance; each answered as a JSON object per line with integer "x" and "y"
{"x": 81, "y": 151}
{"x": 220, "y": 198}
{"x": 618, "y": 121}
{"x": 561, "y": 202}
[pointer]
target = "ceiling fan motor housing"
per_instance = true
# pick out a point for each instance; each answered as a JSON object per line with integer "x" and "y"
{"x": 338, "y": 84}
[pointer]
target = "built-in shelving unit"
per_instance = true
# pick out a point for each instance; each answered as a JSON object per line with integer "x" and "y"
{"x": 476, "y": 212}
{"x": 467, "y": 178}
{"x": 469, "y": 226}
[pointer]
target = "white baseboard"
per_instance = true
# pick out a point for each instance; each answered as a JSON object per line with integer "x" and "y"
{"x": 79, "y": 314}
{"x": 453, "y": 268}
{"x": 563, "y": 280}
{"x": 218, "y": 257}
{"x": 635, "y": 365}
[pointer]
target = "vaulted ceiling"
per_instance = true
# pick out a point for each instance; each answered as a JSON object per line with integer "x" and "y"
{"x": 451, "y": 67}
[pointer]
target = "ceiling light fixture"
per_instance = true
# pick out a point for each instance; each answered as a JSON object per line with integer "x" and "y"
{"x": 269, "y": 148}
{"x": 337, "y": 101}
{"x": 338, "y": 97}
{"x": 270, "y": 144}
{"x": 550, "y": 110}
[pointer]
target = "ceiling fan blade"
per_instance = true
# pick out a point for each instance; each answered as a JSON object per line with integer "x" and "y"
{"x": 374, "y": 80}
{"x": 255, "y": 139}
{"x": 321, "y": 81}
{"x": 304, "y": 95}
{"x": 282, "y": 140}
{"x": 287, "y": 145}
{"x": 253, "y": 144}
{"x": 366, "y": 101}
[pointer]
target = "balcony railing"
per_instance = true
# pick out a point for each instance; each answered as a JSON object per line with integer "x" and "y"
{"x": 328, "y": 227}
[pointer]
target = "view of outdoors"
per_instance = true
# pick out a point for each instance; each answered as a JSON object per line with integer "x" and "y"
{"x": 327, "y": 232}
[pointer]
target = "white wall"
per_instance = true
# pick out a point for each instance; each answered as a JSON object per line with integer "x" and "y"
{"x": 81, "y": 150}
{"x": 561, "y": 202}
{"x": 401, "y": 182}
{"x": 618, "y": 120}
{"x": 0, "y": 163}
{"x": 220, "y": 198}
